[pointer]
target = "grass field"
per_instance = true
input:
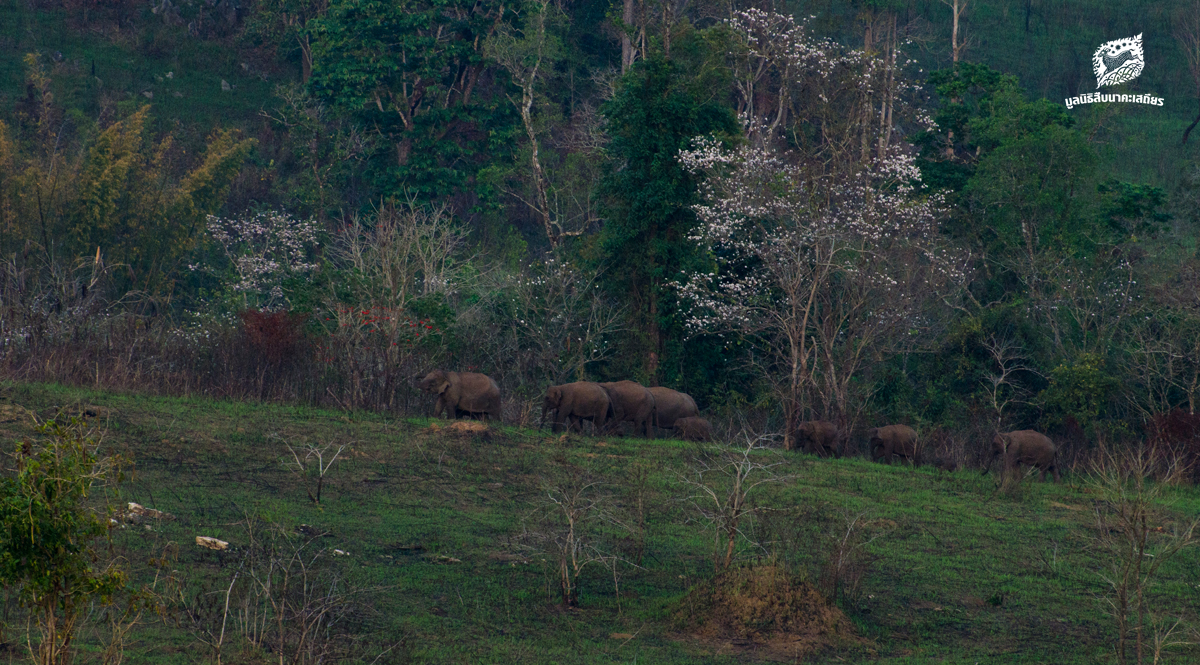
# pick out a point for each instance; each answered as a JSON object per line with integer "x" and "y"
{"x": 445, "y": 565}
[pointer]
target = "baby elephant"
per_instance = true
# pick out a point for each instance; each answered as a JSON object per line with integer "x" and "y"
{"x": 462, "y": 393}
{"x": 1025, "y": 447}
{"x": 693, "y": 428}
{"x": 893, "y": 441}
{"x": 818, "y": 437}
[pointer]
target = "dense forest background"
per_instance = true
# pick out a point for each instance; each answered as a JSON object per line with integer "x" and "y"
{"x": 851, "y": 211}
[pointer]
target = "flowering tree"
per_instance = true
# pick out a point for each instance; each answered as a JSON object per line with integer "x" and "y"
{"x": 264, "y": 250}
{"x": 828, "y": 255}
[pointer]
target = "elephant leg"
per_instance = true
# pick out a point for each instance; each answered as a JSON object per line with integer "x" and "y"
{"x": 439, "y": 407}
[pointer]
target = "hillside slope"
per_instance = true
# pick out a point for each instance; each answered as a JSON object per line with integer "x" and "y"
{"x": 447, "y": 540}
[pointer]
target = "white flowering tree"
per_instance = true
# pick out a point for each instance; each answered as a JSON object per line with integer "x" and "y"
{"x": 264, "y": 250}
{"x": 828, "y": 256}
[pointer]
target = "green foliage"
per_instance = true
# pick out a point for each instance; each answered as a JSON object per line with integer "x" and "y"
{"x": 654, "y": 114}
{"x": 50, "y": 531}
{"x": 1081, "y": 390}
{"x": 414, "y": 71}
{"x": 1132, "y": 210}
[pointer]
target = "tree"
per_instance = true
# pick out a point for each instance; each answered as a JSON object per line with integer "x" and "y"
{"x": 414, "y": 72}
{"x": 958, "y": 8}
{"x": 1187, "y": 33}
{"x": 826, "y": 286}
{"x": 649, "y": 194}
{"x": 50, "y": 530}
{"x": 826, "y": 251}
{"x": 280, "y": 22}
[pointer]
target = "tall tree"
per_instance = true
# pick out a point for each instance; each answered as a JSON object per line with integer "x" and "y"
{"x": 649, "y": 194}
{"x": 1187, "y": 32}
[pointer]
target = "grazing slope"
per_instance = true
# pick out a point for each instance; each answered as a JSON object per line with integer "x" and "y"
{"x": 432, "y": 519}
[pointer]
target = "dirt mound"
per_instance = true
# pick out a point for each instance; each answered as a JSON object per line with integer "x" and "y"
{"x": 762, "y": 609}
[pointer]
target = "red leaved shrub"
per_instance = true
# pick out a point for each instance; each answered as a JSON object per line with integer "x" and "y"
{"x": 277, "y": 337}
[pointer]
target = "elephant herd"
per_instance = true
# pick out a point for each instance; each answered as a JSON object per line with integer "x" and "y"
{"x": 1020, "y": 448}
{"x": 606, "y": 405}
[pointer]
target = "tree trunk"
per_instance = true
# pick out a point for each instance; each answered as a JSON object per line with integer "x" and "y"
{"x": 626, "y": 42}
{"x": 1189, "y": 129}
{"x": 305, "y": 59}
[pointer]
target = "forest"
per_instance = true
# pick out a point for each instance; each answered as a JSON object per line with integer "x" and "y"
{"x": 235, "y": 235}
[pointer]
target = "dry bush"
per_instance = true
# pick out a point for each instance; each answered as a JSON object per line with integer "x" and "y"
{"x": 286, "y": 594}
{"x": 1176, "y": 435}
{"x": 565, "y": 529}
{"x": 719, "y": 483}
{"x": 1137, "y": 535}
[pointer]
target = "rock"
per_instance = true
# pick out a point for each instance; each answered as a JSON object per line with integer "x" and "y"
{"x": 225, "y": 87}
{"x": 340, "y": 553}
{"x": 142, "y": 511}
{"x": 148, "y": 95}
{"x": 211, "y": 543}
{"x": 442, "y": 558}
{"x": 170, "y": 75}
{"x": 12, "y": 413}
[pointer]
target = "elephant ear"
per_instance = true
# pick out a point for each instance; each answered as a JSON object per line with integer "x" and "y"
{"x": 443, "y": 386}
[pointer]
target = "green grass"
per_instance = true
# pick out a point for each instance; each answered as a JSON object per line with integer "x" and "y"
{"x": 959, "y": 572}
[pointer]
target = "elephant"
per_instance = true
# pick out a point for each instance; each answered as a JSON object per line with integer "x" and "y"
{"x": 893, "y": 441}
{"x": 1026, "y": 447}
{"x": 693, "y": 428}
{"x": 671, "y": 405}
{"x": 462, "y": 393}
{"x": 579, "y": 401}
{"x": 632, "y": 402}
{"x": 819, "y": 437}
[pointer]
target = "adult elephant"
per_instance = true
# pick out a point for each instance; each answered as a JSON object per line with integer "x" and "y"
{"x": 671, "y": 405}
{"x": 893, "y": 441}
{"x": 462, "y": 393}
{"x": 577, "y": 402}
{"x": 693, "y": 428}
{"x": 819, "y": 437}
{"x": 632, "y": 402}
{"x": 1027, "y": 447}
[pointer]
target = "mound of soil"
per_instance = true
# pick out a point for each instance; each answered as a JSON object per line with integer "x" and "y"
{"x": 764, "y": 610}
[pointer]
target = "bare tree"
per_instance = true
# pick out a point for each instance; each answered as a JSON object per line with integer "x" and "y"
{"x": 999, "y": 384}
{"x": 959, "y": 8}
{"x": 1187, "y": 33}
{"x": 1127, "y": 511}
{"x": 317, "y": 460}
{"x": 720, "y": 486}
{"x": 567, "y": 526}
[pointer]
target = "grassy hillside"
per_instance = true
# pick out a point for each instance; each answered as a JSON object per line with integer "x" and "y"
{"x": 444, "y": 562}
{"x": 99, "y": 63}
